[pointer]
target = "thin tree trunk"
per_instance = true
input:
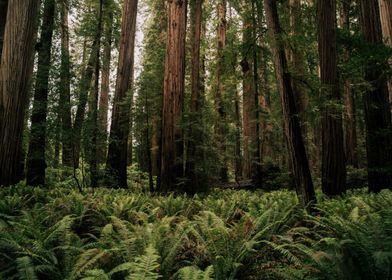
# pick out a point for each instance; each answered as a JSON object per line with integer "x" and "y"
{"x": 94, "y": 107}
{"x": 36, "y": 164}
{"x": 195, "y": 139}
{"x": 351, "y": 122}
{"x": 171, "y": 138}
{"x": 3, "y": 19}
{"x": 299, "y": 160}
{"x": 16, "y": 63}
{"x": 65, "y": 88}
{"x": 116, "y": 164}
{"x": 85, "y": 86}
{"x": 377, "y": 109}
{"x": 256, "y": 160}
{"x": 297, "y": 60}
{"x": 220, "y": 126}
{"x": 248, "y": 100}
{"x": 333, "y": 165}
{"x": 105, "y": 83}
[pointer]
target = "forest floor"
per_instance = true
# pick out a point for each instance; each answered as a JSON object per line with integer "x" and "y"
{"x": 60, "y": 233}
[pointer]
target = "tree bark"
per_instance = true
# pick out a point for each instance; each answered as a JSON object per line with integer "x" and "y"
{"x": 256, "y": 160}
{"x": 298, "y": 157}
{"x": 3, "y": 19}
{"x": 351, "y": 121}
{"x": 84, "y": 86}
{"x": 297, "y": 63}
{"x": 194, "y": 138}
{"x": 105, "y": 86}
{"x": 377, "y": 109}
{"x": 36, "y": 164}
{"x": 16, "y": 63}
{"x": 333, "y": 166}
{"x": 116, "y": 164}
{"x": 65, "y": 88}
{"x": 219, "y": 103}
{"x": 94, "y": 107}
{"x": 249, "y": 128}
{"x": 173, "y": 99}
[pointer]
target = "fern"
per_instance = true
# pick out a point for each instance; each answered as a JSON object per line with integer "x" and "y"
{"x": 95, "y": 274}
{"x": 26, "y": 269}
{"x": 195, "y": 273}
{"x": 146, "y": 266}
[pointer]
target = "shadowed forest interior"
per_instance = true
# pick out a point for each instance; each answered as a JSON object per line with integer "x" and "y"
{"x": 192, "y": 139}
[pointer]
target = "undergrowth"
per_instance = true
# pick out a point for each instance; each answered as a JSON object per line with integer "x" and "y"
{"x": 117, "y": 234}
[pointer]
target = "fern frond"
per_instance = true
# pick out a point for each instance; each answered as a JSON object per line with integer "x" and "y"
{"x": 26, "y": 270}
{"x": 146, "y": 266}
{"x": 195, "y": 273}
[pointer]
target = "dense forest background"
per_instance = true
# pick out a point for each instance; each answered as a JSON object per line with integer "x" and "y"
{"x": 263, "y": 93}
{"x": 129, "y": 118}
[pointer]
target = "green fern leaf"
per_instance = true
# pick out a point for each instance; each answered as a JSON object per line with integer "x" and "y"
{"x": 26, "y": 269}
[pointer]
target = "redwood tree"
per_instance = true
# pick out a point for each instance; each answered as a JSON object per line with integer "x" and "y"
{"x": 219, "y": 92}
{"x": 351, "y": 119}
{"x": 116, "y": 164}
{"x": 195, "y": 138}
{"x": 173, "y": 99}
{"x": 105, "y": 80}
{"x": 65, "y": 88}
{"x": 377, "y": 109}
{"x": 333, "y": 165}
{"x": 298, "y": 157}
{"x": 36, "y": 164}
{"x": 16, "y": 62}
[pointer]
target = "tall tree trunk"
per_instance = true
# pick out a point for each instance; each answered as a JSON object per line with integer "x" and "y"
{"x": 256, "y": 160}
{"x": 299, "y": 160}
{"x": 297, "y": 61}
{"x": 351, "y": 122}
{"x": 84, "y": 86}
{"x": 195, "y": 139}
{"x": 173, "y": 99}
{"x": 36, "y": 164}
{"x": 3, "y": 19}
{"x": 248, "y": 100}
{"x": 377, "y": 109}
{"x": 65, "y": 88}
{"x": 386, "y": 27}
{"x": 219, "y": 103}
{"x": 94, "y": 107}
{"x": 105, "y": 85}
{"x": 333, "y": 166}
{"x": 16, "y": 63}
{"x": 116, "y": 164}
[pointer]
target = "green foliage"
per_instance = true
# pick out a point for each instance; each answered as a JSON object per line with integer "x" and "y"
{"x": 114, "y": 234}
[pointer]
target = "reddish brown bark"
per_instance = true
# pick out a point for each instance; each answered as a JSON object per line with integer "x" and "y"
{"x": 16, "y": 64}
{"x": 171, "y": 137}
{"x": 333, "y": 166}
{"x": 377, "y": 109}
{"x": 298, "y": 157}
{"x": 116, "y": 164}
{"x": 193, "y": 155}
